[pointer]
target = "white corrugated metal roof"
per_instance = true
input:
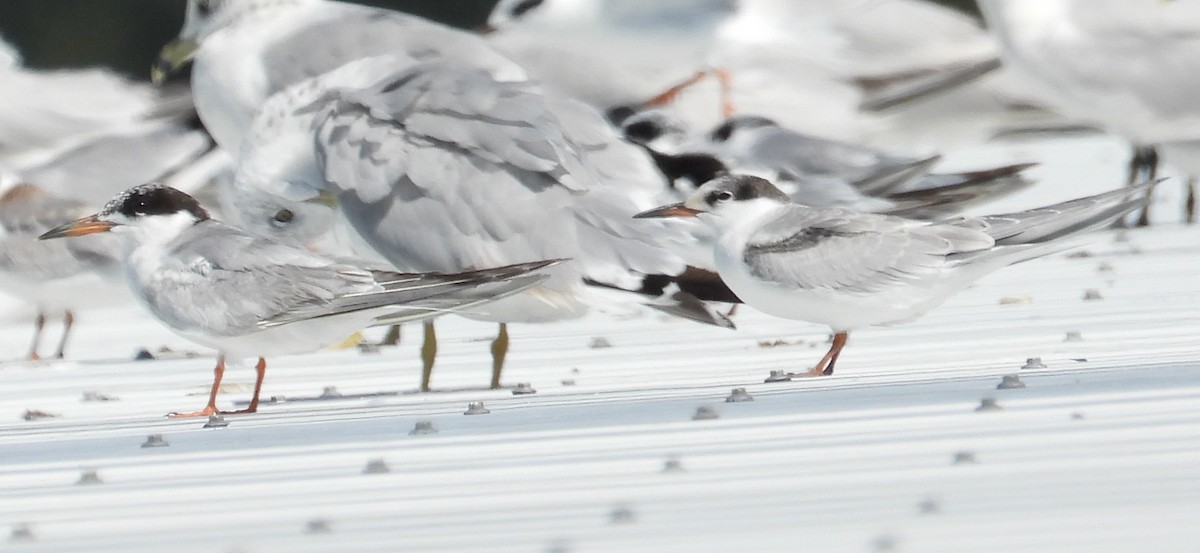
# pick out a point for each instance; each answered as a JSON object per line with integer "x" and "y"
{"x": 1099, "y": 452}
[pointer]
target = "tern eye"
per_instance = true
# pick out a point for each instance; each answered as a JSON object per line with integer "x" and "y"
{"x": 205, "y": 7}
{"x": 283, "y": 217}
{"x": 722, "y": 196}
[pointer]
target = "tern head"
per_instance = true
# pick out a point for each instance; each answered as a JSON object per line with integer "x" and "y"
{"x": 202, "y": 19}
{"x": 654, "y": 128}
{"x": 305, "y": 221}
{"x": 728, "y": 198}
{"x": 148, "y": 211}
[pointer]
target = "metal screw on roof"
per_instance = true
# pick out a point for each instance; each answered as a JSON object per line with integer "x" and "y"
{"x": 476, "y": 408}
{"x": 318, "y": 526}
{"x": 97, "y": 396}
{"x": 330, "y": 392}
{"x": 155, "y": 440}
{"x": 1092, "y": 294}
{"x": 988, "y": 404}
{"x": 705, "y": 413}
{"x": 422, "y": 428}
{"x": 273, "y": 400}
{"x": 965, "y": 458}
{"x": 1104, "y": 268}
{"x": 621, "y": 515}
{"x": 216, "y": 421}
{"x": 88, "y": 477}
{"x": 929, "y": 506}
{"x": 568, "y": 382}
{"x": 34, "y": 414}
{"x": 885, "y": 543}
{"x": 1010, "y": 382}
{"x": 143, "y": 355}
{"x": 21, "y": 533}
{"x": 778, "y": 376}
{"x": 1073, "y": 336}
{"x": 738, "y": 395}
{"x": 600, "y": 342}
{"x": 1034, "y": 363}
{"x": 673, "y": 465}
{"x": 376, "y": 466}
{"x": 523, "y": 389}
{"x": 1076, "y": 416}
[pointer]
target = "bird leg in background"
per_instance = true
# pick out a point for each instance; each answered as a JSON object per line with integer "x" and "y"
{"x": 499, "y": 352}
{"x": 392, "y": 338}
{"x": 1143, "y": 167}
{"x": 1189, "y": 216}
{"x": 38, "y": 324}
{"x": 428, "y": 354}
{"x": 722, "y": 76}
{"x": 825, "y": 366}
{"x": 211, "y": 408}
{"x": 68, "y": 322}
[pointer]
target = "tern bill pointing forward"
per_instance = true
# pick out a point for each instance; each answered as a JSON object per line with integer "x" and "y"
{"x": 850, "y": 270}
{"x": 250, "y": 296}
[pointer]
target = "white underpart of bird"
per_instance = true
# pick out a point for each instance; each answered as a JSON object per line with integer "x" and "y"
{"x": 250, "y": 296}
{"x": 247, "y": 50}
{"x": 852, "y": 270}
{"x": 1130, "y": 66}
{"x": 59, "y": 278}
{"x": 802, "y": 62}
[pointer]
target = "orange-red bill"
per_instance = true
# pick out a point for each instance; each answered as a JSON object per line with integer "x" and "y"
{"x": 80, "y": 227}
{"x": 673, "y": 210}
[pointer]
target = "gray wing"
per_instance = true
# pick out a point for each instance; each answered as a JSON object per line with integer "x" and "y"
{"x": 355, "y": 32}
{"x": 228, "y": 282}
{"x": 852, "y": 253}
{"x": 466, "y": 172}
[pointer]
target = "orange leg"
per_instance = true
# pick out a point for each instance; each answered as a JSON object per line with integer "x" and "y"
{"x": 672, "y": 93}
{"x": 825, "y": 367}
{"x": 723, "y": 77}
{"x": 68, "y": 322}
{"x": 211, "y": 408}
{"x": 38, "y": 325}
{"x": 261, "y": 369}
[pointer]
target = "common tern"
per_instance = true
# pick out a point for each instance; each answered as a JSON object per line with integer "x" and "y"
{"x": 1131, "y": 66}
{"x": 58, "y": 277}
{"x": 250, "y": 296}
{"x": 852, "y": 270}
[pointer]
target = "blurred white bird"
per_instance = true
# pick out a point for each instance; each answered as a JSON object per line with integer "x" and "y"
{"x": 59, "y": 278}
{"x": 810, "y": 64}
{"x": 1130, "y": 66}
{"x": 247, "y": 50}
{"x": 851, "y": 270}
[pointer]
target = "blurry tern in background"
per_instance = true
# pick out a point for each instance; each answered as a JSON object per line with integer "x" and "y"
{"x": 852, "y": 270}
{"x": 845, "y": 69}
{"x": 815, "y": 171}
{"x": 1131, "y": 66}
{"x": 250, "y": 296}
{"x": 58, "y": 277}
